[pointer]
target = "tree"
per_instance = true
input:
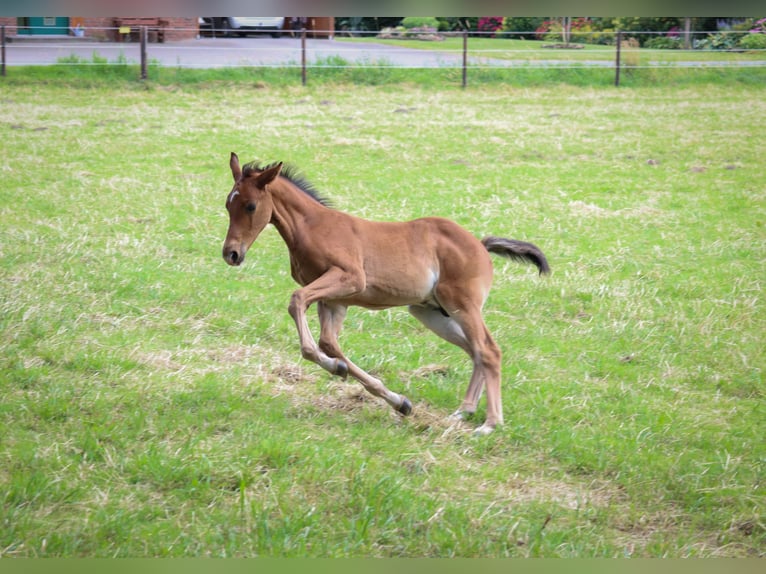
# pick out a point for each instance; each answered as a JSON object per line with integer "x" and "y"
{"x": 566, "y": 29}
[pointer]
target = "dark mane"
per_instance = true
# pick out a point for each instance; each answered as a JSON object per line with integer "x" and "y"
{"x": 293, "y": 175}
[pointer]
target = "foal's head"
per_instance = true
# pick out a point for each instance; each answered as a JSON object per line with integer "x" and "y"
{"x": 249, "y": 206}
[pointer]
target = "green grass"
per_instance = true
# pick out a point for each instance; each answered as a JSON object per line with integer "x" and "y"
{"x": 154, "y": 402}
{"x": 339, "y": 72}
{"x": 534, "y": 66}
{"x": 534, "y": 50}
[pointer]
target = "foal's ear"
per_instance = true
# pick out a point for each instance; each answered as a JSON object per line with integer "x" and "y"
{"x": 266, "y": 177}
{"x": 236, "y": 171}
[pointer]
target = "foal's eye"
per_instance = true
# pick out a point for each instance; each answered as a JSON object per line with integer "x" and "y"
{"x": 250, "y": 207}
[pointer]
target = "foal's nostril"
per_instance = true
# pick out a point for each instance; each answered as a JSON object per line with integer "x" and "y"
{"x": 234, "y": 256}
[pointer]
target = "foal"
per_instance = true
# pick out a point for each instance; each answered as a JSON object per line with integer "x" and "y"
{"x": 436, "y": 268}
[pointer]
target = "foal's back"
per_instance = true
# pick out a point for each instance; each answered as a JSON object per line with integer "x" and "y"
{"x": 404, "y": 262}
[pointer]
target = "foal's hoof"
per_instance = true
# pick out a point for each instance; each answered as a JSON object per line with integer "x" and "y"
{"x": 483, "y": 430}
{"x": 457, "y": 416}
{"x": 406, "y": 407}
{"x": 341, "y": 369}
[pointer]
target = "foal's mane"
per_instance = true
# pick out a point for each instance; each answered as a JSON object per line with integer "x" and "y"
{"x": 291, "y": 174}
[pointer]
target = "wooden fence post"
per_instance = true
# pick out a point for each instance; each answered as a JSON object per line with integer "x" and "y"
{"x": 143, "y": 52}
{"x": 465, "y": 58}
{"x": 303, "y": 56}
{"x": 2, "y": 43}
{"x": 617, "y": 61}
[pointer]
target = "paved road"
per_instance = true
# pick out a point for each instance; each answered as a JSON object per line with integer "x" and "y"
{"x": 225, "y": 52}
{"x": 267, "y": 51}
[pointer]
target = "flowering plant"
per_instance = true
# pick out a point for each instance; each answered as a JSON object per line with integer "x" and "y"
{"x": 759, "y": 27}
{"x": 490, "y": 24}
{"x": 756, "y": 39}
{"x": 580, "y": 31}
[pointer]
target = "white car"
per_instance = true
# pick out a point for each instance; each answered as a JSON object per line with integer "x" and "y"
{"x": 241, "y": 25}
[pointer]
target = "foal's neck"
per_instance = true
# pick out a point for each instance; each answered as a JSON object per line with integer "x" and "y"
{"x": 292, "y": 208}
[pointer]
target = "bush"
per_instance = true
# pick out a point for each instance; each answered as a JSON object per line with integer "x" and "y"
{"x": 753, "y": 42}
{"x": 663, "y": 43}
{"x": 759, "y": 27}
{"x": 722, "y": 41}
{"x": 582, "y": 31}
{"x": 421, "y": 22}
{"x": 490, "y": 24}
{"x": 521, "y": 27}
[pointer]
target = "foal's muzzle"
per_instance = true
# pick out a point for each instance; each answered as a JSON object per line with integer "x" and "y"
{"x": 233, "y": 256}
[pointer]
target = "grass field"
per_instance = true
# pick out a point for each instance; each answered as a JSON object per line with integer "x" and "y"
{"x": 532, "y": 50}
{"x": 154, "y": 402}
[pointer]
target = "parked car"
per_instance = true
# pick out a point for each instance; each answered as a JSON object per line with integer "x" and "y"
{"x": 241, "y": 25}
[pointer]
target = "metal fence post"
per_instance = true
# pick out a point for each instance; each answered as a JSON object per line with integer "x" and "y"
{"x": 303, "y": 56}
{"x": 2, "y": 43}
{"x": 617, "y": 61}
{"x": 143, "y": 52}
{"x": 465, "y": 58}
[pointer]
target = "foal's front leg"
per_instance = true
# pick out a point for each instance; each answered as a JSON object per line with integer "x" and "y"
{"x": 331, "y": 320}
{"x": 335, "y": 284}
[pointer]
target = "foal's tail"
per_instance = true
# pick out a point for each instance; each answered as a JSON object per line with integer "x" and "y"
{"x": 517, "y": 250}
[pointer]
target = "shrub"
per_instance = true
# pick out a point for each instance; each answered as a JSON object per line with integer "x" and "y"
{"x": 415, "y": 28}
{"x": 753, "y": 42}
{"x": 421, "y": 22}
{"x": 605, "y": 37}
{"x": 722, "y": 41}
{"x": 490, "y": 24}
{"x": 759, "y": 27}
{"x": 663, "y": 43}
{"x": 581, "y": 32}
{"x": 521, "y": 27}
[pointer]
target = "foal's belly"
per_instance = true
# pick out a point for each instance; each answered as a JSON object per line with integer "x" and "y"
{"x": 395, "y": 291}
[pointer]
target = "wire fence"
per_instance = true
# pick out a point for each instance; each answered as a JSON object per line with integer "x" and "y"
{"x": 464, "y": 51}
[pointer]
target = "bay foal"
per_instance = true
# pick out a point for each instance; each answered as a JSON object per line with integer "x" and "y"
{"x": 436, "y": 268}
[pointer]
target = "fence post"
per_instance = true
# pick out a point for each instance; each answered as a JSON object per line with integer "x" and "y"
{"x": 143, "y": 52}
{"x": 2, "y": 43}
{"x": 617, "y": 61}
{"x": 465, "y": 58}
{"x": 303, "y": 56}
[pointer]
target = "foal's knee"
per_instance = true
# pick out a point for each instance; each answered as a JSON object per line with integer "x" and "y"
{"x": 295, "y": 305}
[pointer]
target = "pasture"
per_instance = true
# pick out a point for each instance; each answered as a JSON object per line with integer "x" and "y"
{"x": 153, "y": 400}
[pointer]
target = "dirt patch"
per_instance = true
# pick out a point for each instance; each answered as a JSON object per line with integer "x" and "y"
{"x": 288, "y": 375}
{"x": 566, "y": 494}
{"x": 300, "y": 387}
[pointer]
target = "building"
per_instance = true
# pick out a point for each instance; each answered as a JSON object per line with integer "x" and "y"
{"x": 101, "y": 28}
{"x": 116, "y": 28}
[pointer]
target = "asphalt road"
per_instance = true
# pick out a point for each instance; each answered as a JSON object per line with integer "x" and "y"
{"x": 284, "y": 51}
{"x": 224, "y": 52}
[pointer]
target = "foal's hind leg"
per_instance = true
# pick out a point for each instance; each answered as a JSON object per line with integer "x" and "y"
{"x": 466, "y": 329}
{"x": 331, "y": 320}
{"x": 449, "y": 330}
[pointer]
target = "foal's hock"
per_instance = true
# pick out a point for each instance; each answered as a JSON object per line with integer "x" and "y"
{"x": 436, "y": 268}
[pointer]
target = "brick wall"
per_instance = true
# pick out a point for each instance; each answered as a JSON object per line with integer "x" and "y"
{"x": 103, "y": 28}
{"x": 10, "y": 25}
{"x": 181, "y": 29}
